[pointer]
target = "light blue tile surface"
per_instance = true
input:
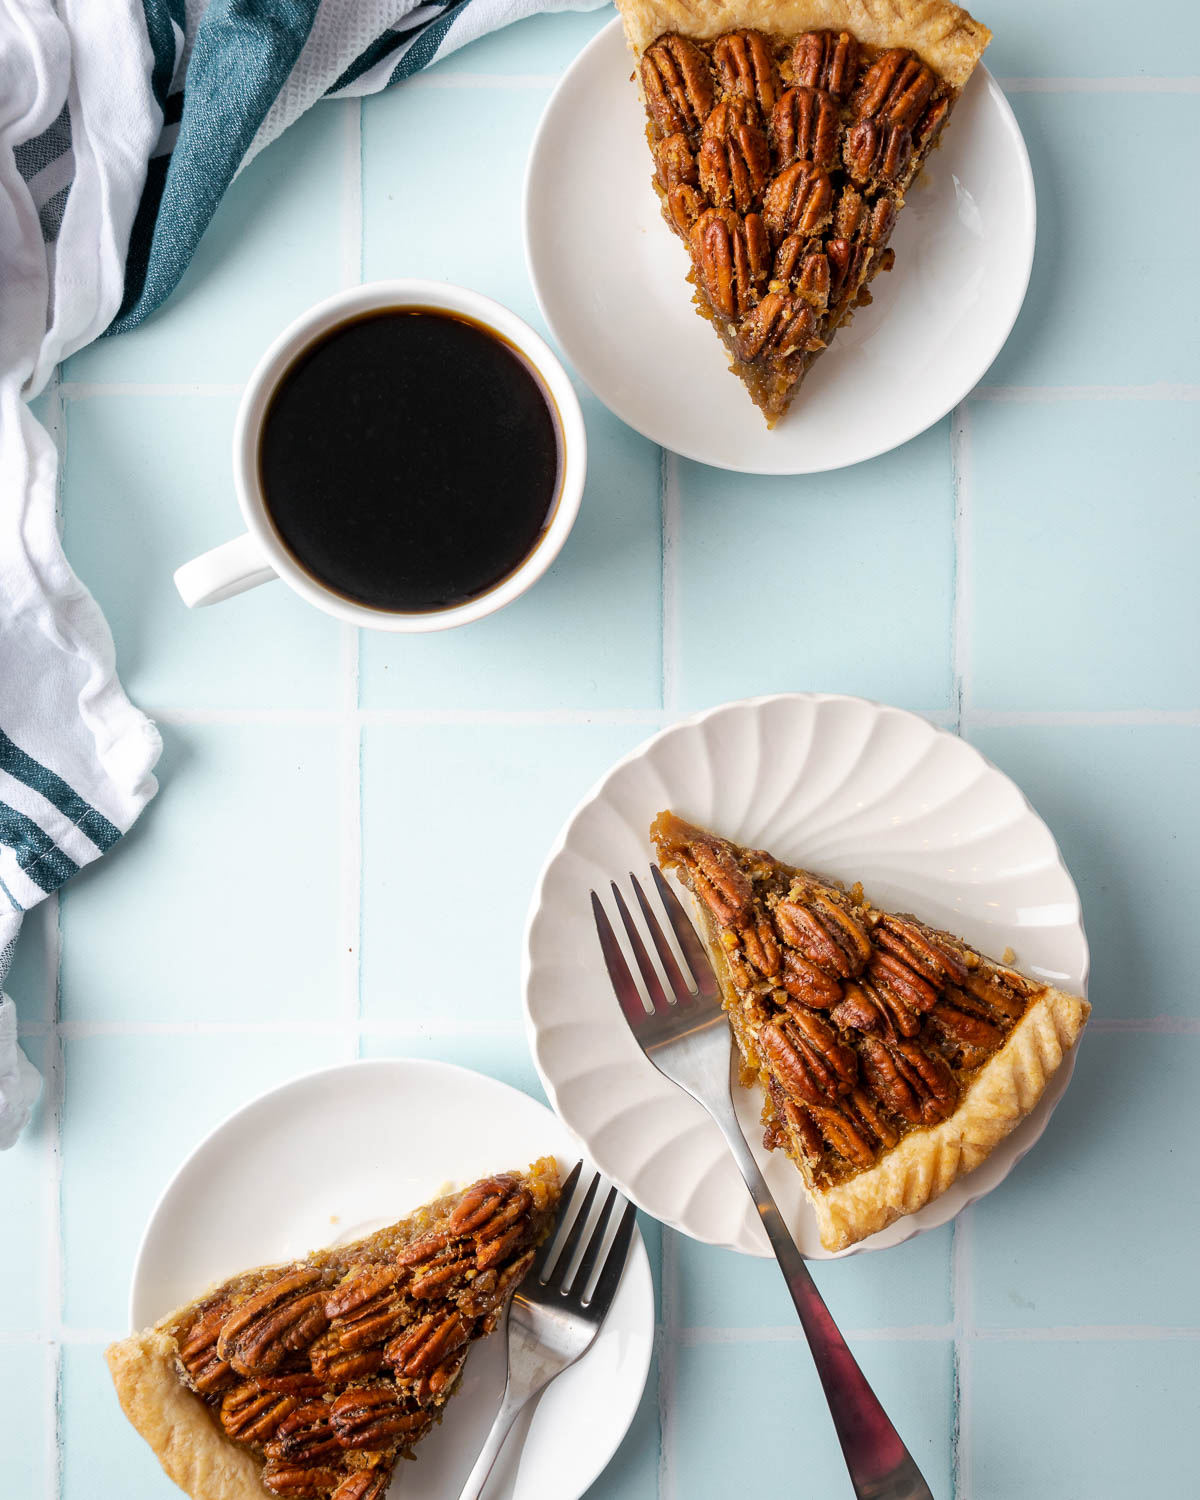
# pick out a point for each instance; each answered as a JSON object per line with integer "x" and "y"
{"x": 276, "y": 244}
{"x": 1094, "y": 1418}
{"x": 429, "y": 792}
{"x": 228, "y": 910}
{"x": 149, "y": 485}
{"x": 26, "y": 1410}
{"x": 134, "y": 1107}
{"x": 1072, "y": 330}
{"x": 750, "y": 1417}
{"x": 1035, "y": 40}
{"x": 851, "y": 579}
{"x": 907, "y": 1286}
{"x": 1082, "y": 536}
{"x": 474, "y": 238}
{"x": 206, "y": 942}
{"x": 1090, "y": 1228}
{"x": 587, "y": 635}
{"x": 1120, "y": 800}
{"x": 537, "y": 46}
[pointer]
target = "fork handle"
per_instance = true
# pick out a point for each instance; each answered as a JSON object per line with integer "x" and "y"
{"x": 511, "y": 1407}
{"x": 881, "y": 1467}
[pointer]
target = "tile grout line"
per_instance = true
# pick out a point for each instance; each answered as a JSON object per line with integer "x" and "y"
{"x": 959, "y": 600}
{"x": 56, "y": 1265}
{"x": 83, "y": 1030}
{"x": 1134, "y": 85}
{"x": 669, "y": 491}
{"x": 962, "y": 1314}
{"x": 667, "y": 1365}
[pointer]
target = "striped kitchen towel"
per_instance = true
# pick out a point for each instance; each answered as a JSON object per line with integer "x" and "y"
{"x": 122, "y": 122}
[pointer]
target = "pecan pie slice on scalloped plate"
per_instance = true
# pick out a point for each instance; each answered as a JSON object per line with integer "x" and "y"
{"x": 313, "y": 1378}
{"x": 785, "y": 134}
{"x": 892, "y": 1057}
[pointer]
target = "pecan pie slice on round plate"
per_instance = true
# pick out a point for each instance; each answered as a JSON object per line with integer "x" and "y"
{"x": 312, "y": 1379}
{"x": 785, "y": 134}
{"x": 892, "y": 1057}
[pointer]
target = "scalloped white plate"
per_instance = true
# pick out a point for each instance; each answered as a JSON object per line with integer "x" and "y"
{"x": 337, "y": 1154}
{"x": 609, "y": 278}
{"x": 850, "y": 789}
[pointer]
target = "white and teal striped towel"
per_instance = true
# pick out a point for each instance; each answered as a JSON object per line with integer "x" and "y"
{"x": 122, "y": 122}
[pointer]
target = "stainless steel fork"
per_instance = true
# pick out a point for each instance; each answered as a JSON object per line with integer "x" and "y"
{"x": 686, "y": 1036}
{"x": 550, "y": 1323}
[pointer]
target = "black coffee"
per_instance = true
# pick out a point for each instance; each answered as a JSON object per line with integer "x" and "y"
{"x": 410, "y": 459}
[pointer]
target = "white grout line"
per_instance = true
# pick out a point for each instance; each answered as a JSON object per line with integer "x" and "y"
{"x": 352, "y": 197}
{"x": 666, "y": 1366}
{"x": 439, "y": 80}
{"x": 351, "y": 839}
{"x": 406, "y": 716}
{"x": 962, "y": 1309}
{"x": 960, "y": 606}
{"x": 792, "y": 1333}
{"x": 1135, "y": 85}
{"x": 1090, "y": 1334}
{"x": 75, "y": 390}
{"x": 55, "y": 1264}
{"x": 448, "y": 1028}
{"x": 669, "y": 486}
{"x": 1160, "y": 391}
{"x": 1084, "y": 718}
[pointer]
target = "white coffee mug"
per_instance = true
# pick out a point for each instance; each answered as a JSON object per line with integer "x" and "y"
{"x": 258, "y": 555}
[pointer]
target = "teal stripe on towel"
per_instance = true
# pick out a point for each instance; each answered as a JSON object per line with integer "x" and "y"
{"x": 22, "y": 767}
{"x": 37, "y": 853}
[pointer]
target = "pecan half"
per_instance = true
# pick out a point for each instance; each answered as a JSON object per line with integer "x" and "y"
{"x": 712, "y": 857}
{"x": 761, "y": 947}
{"x": 778, "y": 328}
{"x": 847, "y": 262}
{"x": 886, "y": 970}
{"x": 844, "y": 1134}
{"x": 799, "y": 201}
{"x": 799, "y": 927}
{"x": 838, "y": 922}
{"x": 962, "y": 1027}
{"x": 746, "y": 68}
{"x": 872, "y": 1116}
{"x": 480, "y": 1204}
{"x": 423, "y": 1347}
{"x": 895, "y": 89}
{"x": 305, "y": 1438}
{"x": 285, "y": 1316}
{"x": 252, "y": 1415}
{"x": 805, "y": 982}
{"x": 807, "y": 1058}
{"x": 375, "y": 1416}
{"x": 734, "y": 162}
{"x": 805, "y": 125}
{"x": 678, "y": 84}
{"x": 206, "y": 1371}
{"x": 440, "y": 1276}
{"x": 913, "y": 1083}
{"x": 921, "y": 950}
{"x": 675, "y": 162}
{"x": 685, "y": 204}
{"x": 369, "y": 1307}
{"x": 857, "y": 1010}
{"x": 335, "y": 1366}
{"x": 826, "y": 60}
{"x": 294, "y": 1479}
{"x": 366, "y": 1484}
{"x": 888, "y": 1083}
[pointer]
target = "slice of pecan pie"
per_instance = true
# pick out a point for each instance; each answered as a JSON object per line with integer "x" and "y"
{"x": 892, "y": 1057}
{"x": 785, "y": 134}
{"x": 311, "y": 1379}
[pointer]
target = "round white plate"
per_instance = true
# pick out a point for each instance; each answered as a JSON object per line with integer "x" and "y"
{"x": 609, "y": 278}
{"x": 337, "y": 1154}
{"x": 849, "y": 789}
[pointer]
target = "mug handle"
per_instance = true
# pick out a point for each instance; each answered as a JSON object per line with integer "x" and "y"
{"x": 229, "y": 569}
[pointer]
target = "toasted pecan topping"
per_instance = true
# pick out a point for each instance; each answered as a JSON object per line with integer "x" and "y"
{"x": 678, "y": 84}
{"x": 826, "y": 60}
{"x": 746, "y": 68}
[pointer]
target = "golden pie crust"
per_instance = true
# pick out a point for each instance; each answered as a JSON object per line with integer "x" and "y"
{"x": 893, "y": 1058}
{"x": 457, "y": 1258}
{"x": 785, "y": 135}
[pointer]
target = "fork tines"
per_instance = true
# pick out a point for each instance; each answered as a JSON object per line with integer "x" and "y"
{"x": 698, "y": 983}
{"x": 549, "y": 1272}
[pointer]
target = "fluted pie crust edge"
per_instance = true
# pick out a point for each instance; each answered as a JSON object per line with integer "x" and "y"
{"x": 173, "y": 1420}
{"x": 943, "y": 35}
{"x": 925, "y": 1162}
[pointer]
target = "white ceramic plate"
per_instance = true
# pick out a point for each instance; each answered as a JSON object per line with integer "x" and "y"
{"x": 337, "y": 1154}
{"x": 609, "y": 278}
{"x": 849, "y": 789}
